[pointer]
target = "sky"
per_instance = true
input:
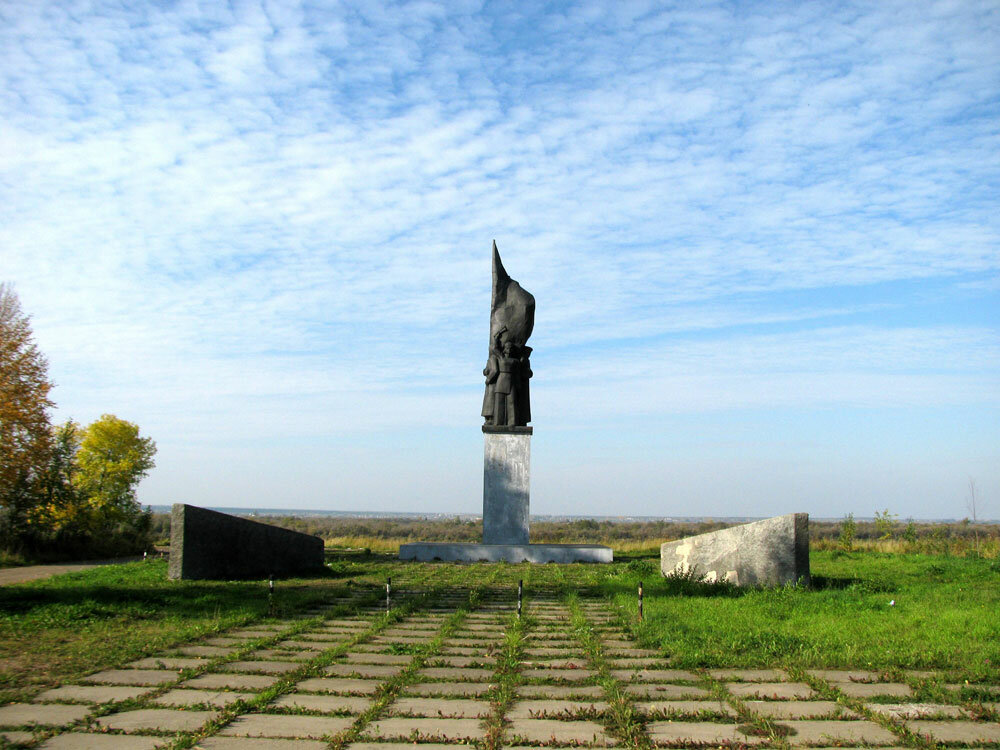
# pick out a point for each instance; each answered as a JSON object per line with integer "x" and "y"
{"x": 762, "y": 239}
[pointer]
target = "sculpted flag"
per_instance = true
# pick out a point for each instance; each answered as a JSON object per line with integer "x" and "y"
{"x": 512, "y": 317}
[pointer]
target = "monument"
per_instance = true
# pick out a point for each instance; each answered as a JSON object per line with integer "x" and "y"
{"x": 507, "y": 456}
{"x": 207, "y": 544}
{"x": 772, "y": 552}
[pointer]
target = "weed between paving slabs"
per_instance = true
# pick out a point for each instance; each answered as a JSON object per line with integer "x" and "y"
{"x": 456, "y": 668}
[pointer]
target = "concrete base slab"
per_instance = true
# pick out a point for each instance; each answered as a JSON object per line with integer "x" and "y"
{"x": 167, "y": 662}
{"x": 514, "y": 553}
{"x": 749, "y": 675}
{"x": 666, "y": 692}
{"x": 560, "y": 691}
{"x": 654, "y": 675}
{"x": 274, "y": 725}
{"x": 93, "y": 741}
{"x": 560, "y": 675}
{"x": 261, "y": 667}
{"x": 378, "y": 671}
{"x": 458, "y": 674}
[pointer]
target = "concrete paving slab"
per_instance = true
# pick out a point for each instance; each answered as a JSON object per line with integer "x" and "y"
{"x": 654, "y": 675}
{"x": 465, "y": 651}
{"x": 918, "y": 710}
{"x": 793, "y": 709}
{"x": 630, "y": 662}
{"x": 871, "y": 689}
{"x": 377, "y": 671}
{"x": 328, "y": 638}
{"x": 631, "y": 652}
{"x": 230, "y": 682}
{"x": 457, "y": 674}
{"x": 18, "y": 736}
{"x": 167, "y": 662}
{"x": 838, "y": 733}
{"x": 94, "y": 741}
{"x": 270, "y": 654}
{"x": 697, "y": 733}
{"x": 209, "y": 651}
{"x": 160, "y": 719}
{"x": 219, "y": 699}
{"x": 686, "y": 708}
{"x": 966, "y": 732}
{"x": 559, "y": 732}
{"x": 447, "y": 688}
{"x": 90, "y": 693}
{"x": 389, "y": 639}
{"x": 556, "y": 663}
{"x": 251, "y": 633}
{"x": 261, "y": 667}
{"x": 475, "y": 662}
{"x": 665, "y": 691}
{"x": 427, "y": 729}
{"x": 749, "y": 675}
{"x": 44, "y": 714}
{"x": 259, "y": 743}
{"x": 363, "y": 657}
{"x": 226, "y": 642}
{"x": 536, "y": 709}
{"x": 844, "y": 675}
{"x": 557, "y": 652}
{"x": 329, "y": 704}
{"x": 562, "y": 675}
{"x": 582, "y": 692}
{"x": 399, "y": 746}
{"x": 444, "y": 707}
{"x": 770, "y": 690}
{"x": 281, "y": 725}
{"x": 302, "y": 644}
{"x": 342, "y": 685}
{"x": 132, "y": 677}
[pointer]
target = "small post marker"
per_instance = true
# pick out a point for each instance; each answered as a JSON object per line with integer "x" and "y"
{"x": 144, "y": 555}
{"x": 640, "y": 601}
{"x": 270, "y": 593}
{"x": 388, "y": 590}
{"x": 520, "y": 594}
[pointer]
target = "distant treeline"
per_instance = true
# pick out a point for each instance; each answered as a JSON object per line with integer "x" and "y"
{"x": 388, "y": 533}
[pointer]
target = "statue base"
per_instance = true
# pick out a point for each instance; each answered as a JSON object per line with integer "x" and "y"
{"x": 506, "y": 485}
{"x": 513, "y": 553}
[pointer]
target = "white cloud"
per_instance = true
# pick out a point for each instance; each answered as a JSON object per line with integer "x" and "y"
{"x": 207, "y": 205}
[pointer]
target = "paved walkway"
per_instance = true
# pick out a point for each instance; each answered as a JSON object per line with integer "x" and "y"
{"x": 456, "y": 668}
{"x": 28, "y": 573}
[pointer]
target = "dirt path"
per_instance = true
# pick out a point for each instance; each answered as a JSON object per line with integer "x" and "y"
{"x": 10, "y": 576}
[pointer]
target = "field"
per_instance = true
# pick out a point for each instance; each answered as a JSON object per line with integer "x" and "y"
{"x": 925, "y": 624}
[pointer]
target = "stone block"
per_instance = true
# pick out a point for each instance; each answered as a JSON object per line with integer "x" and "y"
{"x": 259, "y": 743}
{"x": 448, "y": 688}
{"x": 132, "y": 677}
{"x": 208, "y": 544}
{"x": 560, "y": 691}
{"x": 559, "y": 732}
{"x": 328, "y": 704}
{"x": 44, "y": 714}
{"x": 773, "y": 552}
{"x": 514, "y": 553}
{"x": 340, "y": 685}
{"x": 94, "y": 741}
{"x": 965, "y": 732}
{"x": 838, "y": 733}
{"x": 454, "y": 708}
{"x": 697, "y": 733}
{"x": 918, "y": 710}
{"x": 871, "y": 689}
{"x": 275, "y": 725}
{"x": 230, "y": 682}
{"x": 795, "y": 709}
{"x": 90, "y": 693}
{"x": 671, "y": 709}
{"x": 158, "y": 719}
{"x": 216, "y": 698}
{"x": 506, "y": 487}
{"x": 771, "y": 690}
{"x": 437, "y": 729}
{"x": 535, "y": 709}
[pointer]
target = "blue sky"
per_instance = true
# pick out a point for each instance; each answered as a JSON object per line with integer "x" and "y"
{"x": 762, "y": 237}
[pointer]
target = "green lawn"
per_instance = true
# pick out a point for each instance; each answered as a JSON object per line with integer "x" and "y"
{"x": 944, "y": 616}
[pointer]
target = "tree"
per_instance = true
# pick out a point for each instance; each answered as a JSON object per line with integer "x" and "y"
{"x": 25, "y": 430}
{"x": 111, "y": 461}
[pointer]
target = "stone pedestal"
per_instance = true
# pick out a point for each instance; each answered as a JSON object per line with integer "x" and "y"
{"x": 506, "y": 484}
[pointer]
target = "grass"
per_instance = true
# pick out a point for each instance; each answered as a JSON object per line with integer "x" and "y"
{"x": 867, "y": 610}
